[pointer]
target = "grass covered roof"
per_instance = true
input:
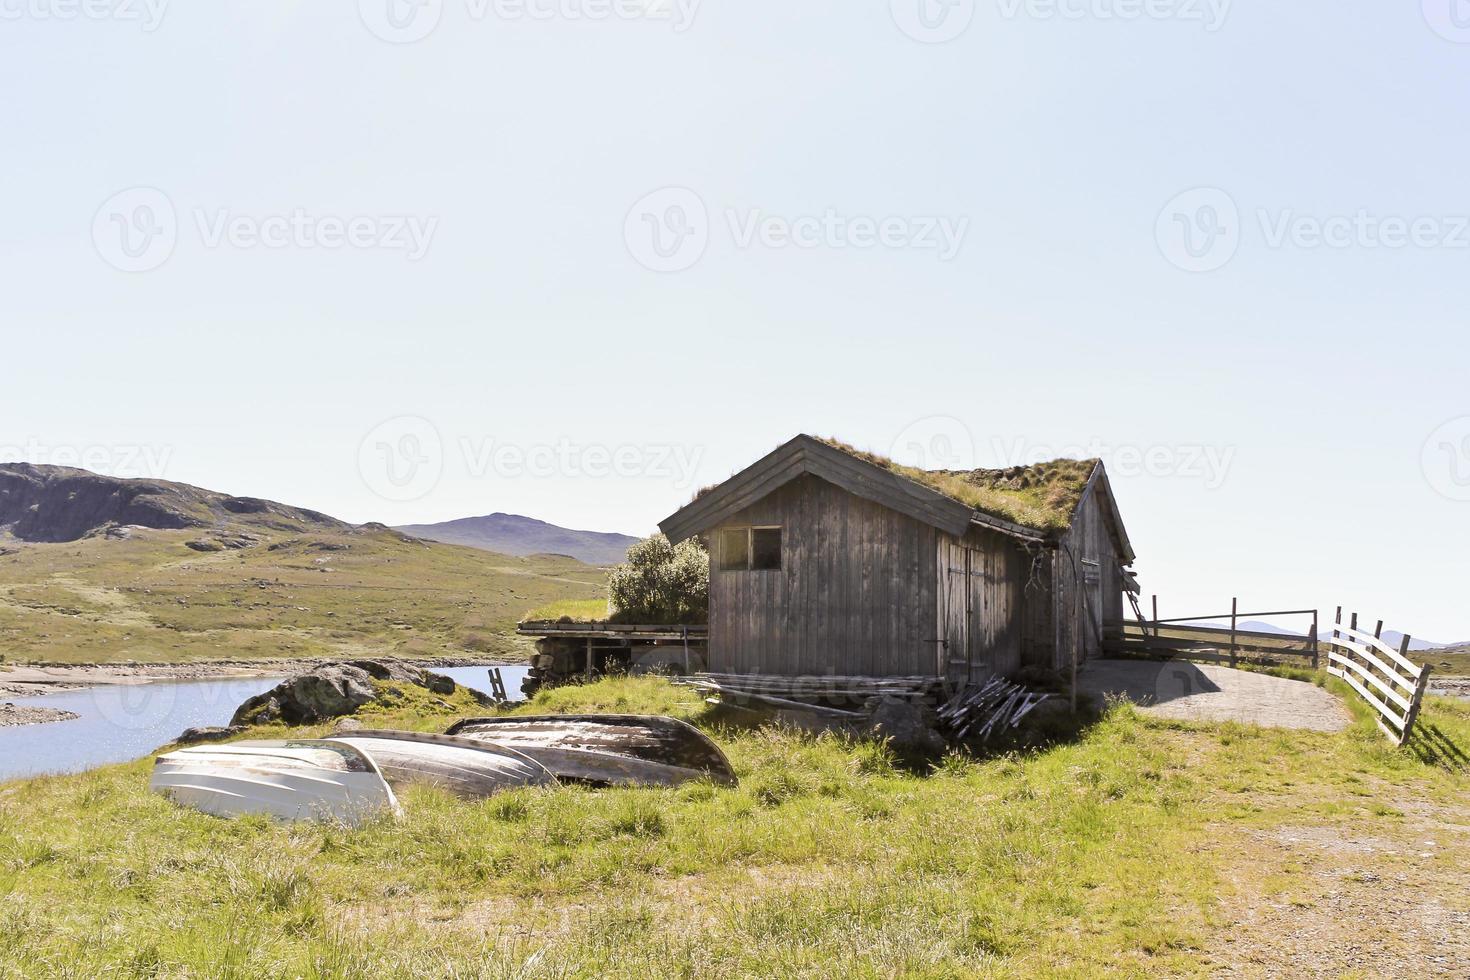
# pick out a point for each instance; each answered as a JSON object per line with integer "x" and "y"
{"x": 1042, "y": 496}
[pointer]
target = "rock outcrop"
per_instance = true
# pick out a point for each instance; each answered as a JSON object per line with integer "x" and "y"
{"x": 908, "y": 725}
{"x": 335, "y": 690}
{"x": 12, "y": 714}
{"x": 209, "y": 733}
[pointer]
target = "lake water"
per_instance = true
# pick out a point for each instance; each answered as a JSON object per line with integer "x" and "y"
{"x": 119, "y": 722}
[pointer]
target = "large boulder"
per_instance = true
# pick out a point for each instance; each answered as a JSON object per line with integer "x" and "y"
{"x": 334, "y": 690}
{"x": 321, "y": 693}
{"x": 209, "y": 733}
{"x": 908, "y": 725}
{"x": 401, "y": 673}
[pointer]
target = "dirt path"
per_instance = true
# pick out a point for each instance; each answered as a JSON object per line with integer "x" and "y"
{"x": 1330, "y": 899}
{"x": 1211, "y": 693}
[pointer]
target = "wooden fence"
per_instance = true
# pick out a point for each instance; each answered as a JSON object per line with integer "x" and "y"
{"x": 1201, "y": 638}
{"x": 1391, "y": 683}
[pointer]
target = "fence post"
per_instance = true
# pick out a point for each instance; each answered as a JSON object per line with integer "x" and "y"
{"x": 1234, "y": 606}
{"x": 1156, "y": 614}
{"x": 1420, "y": 686}
{"x": 1316, "y": 654}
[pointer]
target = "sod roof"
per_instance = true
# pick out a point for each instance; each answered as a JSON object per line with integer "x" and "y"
{"x": 1042, "y": 496}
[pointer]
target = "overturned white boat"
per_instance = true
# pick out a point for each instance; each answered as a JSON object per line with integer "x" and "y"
{"x": 468, "y": 768}
{"x": 302, "y": 779}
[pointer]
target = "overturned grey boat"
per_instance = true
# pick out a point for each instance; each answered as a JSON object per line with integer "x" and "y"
{"x": 470, "y": 768}
{"x": 607, "y": 750}
{"x": 290, "y": 779}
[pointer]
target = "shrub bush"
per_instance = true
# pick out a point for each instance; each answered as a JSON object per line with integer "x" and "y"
{"x": 661, "y": 583}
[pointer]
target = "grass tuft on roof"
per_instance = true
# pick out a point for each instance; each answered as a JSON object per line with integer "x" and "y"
{"x": 1042, "y": 496}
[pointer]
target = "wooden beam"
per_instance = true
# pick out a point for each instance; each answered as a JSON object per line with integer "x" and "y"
{"x": 1316, "y": 652}
{"x": 1234, "y": 609}
{"x": 1420, "y": 687}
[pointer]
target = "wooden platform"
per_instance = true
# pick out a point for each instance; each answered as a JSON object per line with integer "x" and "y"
{"x": 612, "y": 631}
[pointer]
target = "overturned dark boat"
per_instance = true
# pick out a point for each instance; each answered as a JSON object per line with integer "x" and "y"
{"x": 607, "y": 750}
{"x": 469, "y": 768}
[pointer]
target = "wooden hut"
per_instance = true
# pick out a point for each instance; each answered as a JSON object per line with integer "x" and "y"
{"x": 828, "y": 561}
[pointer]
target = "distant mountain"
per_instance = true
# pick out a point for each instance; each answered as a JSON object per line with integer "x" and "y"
{"x": 59, "y": 503}
{"x": 511, "y": 534}
{"x": 1253, "y": 625}
{"x": 94, "y": 569}
{"x": 1257, "y": 626}
{"x": 1391, "y": 637}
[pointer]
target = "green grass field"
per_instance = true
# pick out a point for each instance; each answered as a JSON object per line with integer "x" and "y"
{"x": 1139, "y": 849}
{"x": 1449, "y": 662}
{"x": 368, "y": 592}
{"x": 581, "y": 610}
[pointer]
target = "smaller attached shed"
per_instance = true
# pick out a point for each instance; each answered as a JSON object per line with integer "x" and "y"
{"x": 829, "y": 561}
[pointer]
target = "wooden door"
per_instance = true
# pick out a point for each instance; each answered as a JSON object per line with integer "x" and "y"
{"x": 954, "y": 610}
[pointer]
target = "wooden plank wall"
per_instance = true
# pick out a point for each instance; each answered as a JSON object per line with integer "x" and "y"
{"x": 856, "y": 593}
{"x": 1039, "y": 614}
{"x": 1088, "y": 539}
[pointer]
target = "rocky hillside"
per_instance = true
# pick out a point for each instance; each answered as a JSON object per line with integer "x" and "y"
{"x": 101, "y": 570}
{"x": 57, "y": 503}
{"x": 511, "y": 534}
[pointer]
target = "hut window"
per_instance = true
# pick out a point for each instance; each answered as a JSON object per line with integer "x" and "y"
{"x": 750, "y": 548}
{"x": 765, "y": 547}
{"x": 735, "y": 548}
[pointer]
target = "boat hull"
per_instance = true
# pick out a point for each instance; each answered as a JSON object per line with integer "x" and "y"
{"x": 608, "y": 750}
{"x": 468, "y": 768}
{"x": 296, "y": 780}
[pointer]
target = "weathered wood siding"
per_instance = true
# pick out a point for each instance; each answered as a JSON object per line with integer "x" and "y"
{"x": 1086, "y": 594}
{"x": 855, "y": 594}
{"x": 980, "y": 590}
{"x": 1039, "y": 614}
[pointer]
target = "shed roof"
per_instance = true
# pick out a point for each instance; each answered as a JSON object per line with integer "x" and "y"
{"x": 1034, "y": 503}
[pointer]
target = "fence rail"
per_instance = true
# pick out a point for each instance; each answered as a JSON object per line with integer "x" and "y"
{"x": 1201, "y": 638}
{"x": 1385, "y": 678}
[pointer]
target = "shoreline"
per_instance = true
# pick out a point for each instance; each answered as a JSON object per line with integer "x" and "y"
{"x": 30, "y": 680}
{"x": 1449, "y": 687}
{"x": 16, "y": 715}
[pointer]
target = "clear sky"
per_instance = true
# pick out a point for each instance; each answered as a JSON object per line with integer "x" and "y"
{"x": 575, "y": 259}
